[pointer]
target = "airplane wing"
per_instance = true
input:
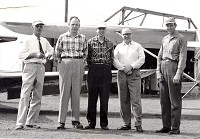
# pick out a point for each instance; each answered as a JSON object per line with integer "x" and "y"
{"x": 14, "y": 74}
{"x": 11, "y": 81}
{"x": 6, "y": 34}
{"x": 194, "y": 44}
{"x": 50, "y": 31}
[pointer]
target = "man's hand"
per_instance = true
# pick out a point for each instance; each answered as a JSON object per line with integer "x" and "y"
{"x": 160, "y": 77}
{"x": 58, "y": 59}
{"x": 49, "y": 56}
{"x": 129, "y": 73}
{"x": 36, "y": 55}
{"x": 177, "y": 78}
{"x": 41, "y": 56}
{"x": 127, "y": 68}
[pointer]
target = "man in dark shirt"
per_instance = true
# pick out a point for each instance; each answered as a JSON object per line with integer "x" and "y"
{"x": 100, "y": 58}
{"x": 170, "y": 65}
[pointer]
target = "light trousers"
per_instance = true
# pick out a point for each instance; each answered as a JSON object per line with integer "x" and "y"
{"x": 31, "y": 94}
{"x": 70, "y": 82}
{"x": 129, "y": 89}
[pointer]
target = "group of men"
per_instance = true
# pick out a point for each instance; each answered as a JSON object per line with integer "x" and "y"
{"x": 74, "y": 52}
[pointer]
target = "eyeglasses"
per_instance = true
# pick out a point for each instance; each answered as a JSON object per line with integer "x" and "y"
{"x": 101, "y": 28}
{"x": 37, "y": 26}
{"x": 126, "y": 34}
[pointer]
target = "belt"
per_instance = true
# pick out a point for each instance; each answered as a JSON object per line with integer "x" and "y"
{"x": 101, "y": 63}
{"x": 35, "y": 63}
{"x": 74, "y": 57}
{"x": 169, "y": 60}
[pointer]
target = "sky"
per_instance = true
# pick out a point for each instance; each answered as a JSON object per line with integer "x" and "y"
{"x": 91, "y": 12}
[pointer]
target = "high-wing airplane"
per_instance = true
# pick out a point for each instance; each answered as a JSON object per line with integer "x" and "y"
{"x": 13, "y": 33}
{"x": 11, "y": 43}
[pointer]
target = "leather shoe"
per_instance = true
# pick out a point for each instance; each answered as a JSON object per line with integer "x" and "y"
{"x": 174, "y": 132}
{"x": 139, "y": 129}
{"x": 19, "y": 127}
{"x": 33, "y": 126}
{"x": 61, "y": 126}
{"x": 163, "y": 130}
{"x": 125, "y": 127}
{"x": 77, "y": 125}
{"x": 104, "y": 128}
{"x": 89, "y": 127}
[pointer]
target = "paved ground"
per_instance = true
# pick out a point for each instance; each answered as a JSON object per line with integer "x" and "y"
{"x": 190, "y": 124}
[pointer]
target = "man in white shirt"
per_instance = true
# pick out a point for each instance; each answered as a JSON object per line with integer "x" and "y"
{"x": 128, "y": 58}
{"x": 35, "y": 52}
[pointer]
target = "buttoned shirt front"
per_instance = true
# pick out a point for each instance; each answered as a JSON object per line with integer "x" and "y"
{"x": 31, "y": 45}
{"x": 68, "y": 46}
{"x": 100, "y": 52}
{"x": 173, "y": 48}
{"x": 129, "y": 54}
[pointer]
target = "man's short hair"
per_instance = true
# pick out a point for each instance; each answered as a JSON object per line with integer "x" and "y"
{"x": 74, "y": 17}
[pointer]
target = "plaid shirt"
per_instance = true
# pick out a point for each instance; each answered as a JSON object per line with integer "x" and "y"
{"x": 68, "y": 46}
{"x": 100, "y": 52}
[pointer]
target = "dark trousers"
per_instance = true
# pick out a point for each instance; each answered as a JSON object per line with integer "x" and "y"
{"x": 99, "y": 83}
{"x": 170, "y": 96}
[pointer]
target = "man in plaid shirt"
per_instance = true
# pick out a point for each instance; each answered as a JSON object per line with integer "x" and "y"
{"x": 71, "y": 51}
{"x": 100, "y": 59}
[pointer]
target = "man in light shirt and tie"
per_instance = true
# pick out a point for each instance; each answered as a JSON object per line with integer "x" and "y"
{"x": 128, "y": 58}
{"x": 34, "y": 54}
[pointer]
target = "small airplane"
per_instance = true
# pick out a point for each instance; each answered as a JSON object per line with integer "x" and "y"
{"x": 13, "y": 34}
{"x": 11, "y": 66}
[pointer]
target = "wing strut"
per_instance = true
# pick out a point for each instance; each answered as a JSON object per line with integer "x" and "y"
{"x": 184, "y": 74}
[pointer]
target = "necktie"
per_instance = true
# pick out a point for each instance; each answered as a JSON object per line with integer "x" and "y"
{"x": 40, "y": 45}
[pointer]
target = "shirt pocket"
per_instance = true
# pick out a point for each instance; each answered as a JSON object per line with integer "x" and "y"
{"x": 79, "y": 47}
{"x": 65, "y": 46}
{"x": 175, "y": 46}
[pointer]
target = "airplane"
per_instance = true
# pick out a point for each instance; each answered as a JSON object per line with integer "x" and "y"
{"x": 13, "y": 34}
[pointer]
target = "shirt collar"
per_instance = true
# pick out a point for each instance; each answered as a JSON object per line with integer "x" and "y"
{"x": 68, "y": 34}
{"x": 175, "y": 35}
{"x": 127, "y": 44}
{"x": 36, "y": 37}
{"x": 96, "y": 39}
